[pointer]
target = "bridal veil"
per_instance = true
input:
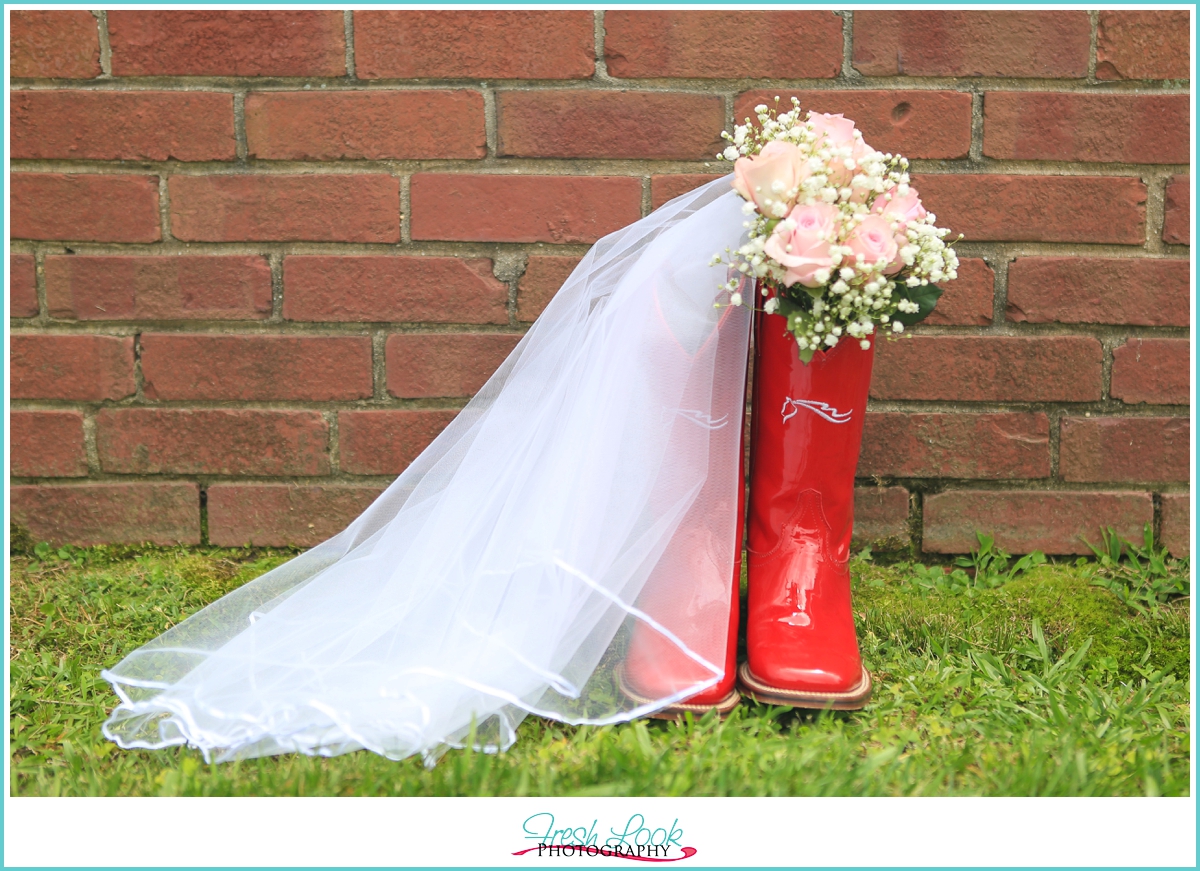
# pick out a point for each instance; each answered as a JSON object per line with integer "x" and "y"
{"x": 502, "y": 574}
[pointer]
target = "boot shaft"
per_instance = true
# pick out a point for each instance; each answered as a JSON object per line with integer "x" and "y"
{"x": 807, "y": 432}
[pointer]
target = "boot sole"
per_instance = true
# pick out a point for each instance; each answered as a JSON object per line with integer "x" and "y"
{"x": 677, "y": 710}
{"x": 851, "y": 700}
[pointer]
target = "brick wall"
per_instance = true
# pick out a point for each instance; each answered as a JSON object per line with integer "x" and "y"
{"x": 259, "y": 258}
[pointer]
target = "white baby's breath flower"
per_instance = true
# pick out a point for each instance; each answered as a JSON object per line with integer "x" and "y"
{"x": 770, "y": 305}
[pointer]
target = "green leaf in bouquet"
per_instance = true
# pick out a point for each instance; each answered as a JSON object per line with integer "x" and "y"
{"x": 925, "y": 295}
{"x": 806, "y": 354}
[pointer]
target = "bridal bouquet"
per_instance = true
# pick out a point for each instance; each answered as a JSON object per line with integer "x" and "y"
{"x": 838, "y": 239}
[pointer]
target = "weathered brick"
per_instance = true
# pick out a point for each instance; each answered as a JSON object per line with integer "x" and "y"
{"x": 58, "y": 44}
{"x": 989, "y": 368}
{"x": 285, "y": 208}
{"x": 279, "y": 515}
{"x": 530, "y": 208}
{"x": 443, "y": 364}
{"x": 725, "y": 44}
{"x": 191, "y": 366}
{"x": 1099, "y": 290}
{"x": 89, "y": 288}
{"x": 1027, "y": 520}
{"x": 633, "y": 124}
{"x": 958, "y": 445}
{"x": 1037, "y": 208}
{"x": 47, "y": 444}
{"x": 85, "y": 208}
{"x": 477, "y": 44}
{"x": 122, "y": 125}
{"x": 543, "y": 277}
{"x": 1018, "y": 44}
{"x": 1021, "y": 125}
{"x": 881, "y": 516}
{"x": 917, "y": 124}
{"x": 227, "y": 43}
{"x": 386, "y": 442}
{"x": 22, "y": 286}
{"x": 1177, "y": 228}
{"x": 664, "y": 188}
{"x": 968, "y": 300}
{"x": 1101, "y": 449}
{"x": 89, "y": 513}
{"x": 212, "y": 441}
{"x": 370, "y": 125}
{"x": 1157, "y": 371}
{"x": 1177, "y": 523}
{"x": 1142, "y": 44}
{"x": 54, "y": 366}
{"x": 393, "y": 289}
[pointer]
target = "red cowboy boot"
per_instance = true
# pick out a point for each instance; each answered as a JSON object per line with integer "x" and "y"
{"x": 655, "y": 667}
{"x": 806, "y": 431}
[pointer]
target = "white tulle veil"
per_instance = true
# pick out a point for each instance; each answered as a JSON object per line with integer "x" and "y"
{"x": 504, "y": 571}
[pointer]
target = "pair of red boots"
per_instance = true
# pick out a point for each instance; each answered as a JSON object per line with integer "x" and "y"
{"x": 801, "y": 646}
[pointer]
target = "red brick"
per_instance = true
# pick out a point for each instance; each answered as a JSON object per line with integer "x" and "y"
{"x": 279, "y": 515}
{"x": 47, "y": 444}
{"x": 22, "y": 286}
{"x": 1087, "y": 127}
{"x": 1177, "y": 524}
{"x": 543, "y": 277}
{"x": 1099, "y": 290}
{"x": 1027, "y": 520}
{"x": 917, "y": 124}
{"x": 664, "y": 188}
{"x": 1101, "y": 449}
{"x": 452, "y": 44}
{"x": 959, "y": 445}
{"x": 1177, "y": 228}
{"x": 85, "y": 208}
{"x": 968, "y": 299}
{"x": 1033, "y": 208}
{"x": 530, "y": 208}
{"x": 370, "y": 125}
{"x": 122, "y": 125}
{"x": 54, "y": 44}
{"x": 386, "y": 442}
{"x": 1142, "y": 44}
{"x": 881, "y": 516}
{"x": 212, "y": 441}
{"x": 634, "y": 124}
{"x": 713, "y": 44}
{"x": 190, "y": 366}
{"x": 444, "y": 364}
{"x": 1026, "y": 44}
{"x": 94, "y": 288}
{"x": 86, "y": 514}
{"x": 285, "y": 208}
{"x": 227, "y": 43}
{"x": 79, "y": 366}
{"x": 439, "y": 290}
{"x": 1157, "y": 371}
{"x": 989, "y": 368}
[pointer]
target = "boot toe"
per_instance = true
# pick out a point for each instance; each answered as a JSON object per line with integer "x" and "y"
{"x": 833, "y": 675}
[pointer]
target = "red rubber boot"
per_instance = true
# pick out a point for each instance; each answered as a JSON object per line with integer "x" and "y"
{"x": 654, "y": 666}
{"x": 807, "y": 426}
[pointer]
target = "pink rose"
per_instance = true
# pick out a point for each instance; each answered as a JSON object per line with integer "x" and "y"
{"x": 804, "y": 250}
{"x": 836, "y": 131}
{"x": 767, "y": 178}
{"x": 874, "y": 240}
{"x": 900, "y": 208}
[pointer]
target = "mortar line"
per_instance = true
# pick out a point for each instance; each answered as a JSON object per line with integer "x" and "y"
{"x": 1093, "y": 42}
{"x": 348, "y": 28}
{"x": 105, "y": 44}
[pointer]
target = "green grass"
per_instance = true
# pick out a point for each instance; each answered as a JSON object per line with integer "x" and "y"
{"x": 1043, "y": 685}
